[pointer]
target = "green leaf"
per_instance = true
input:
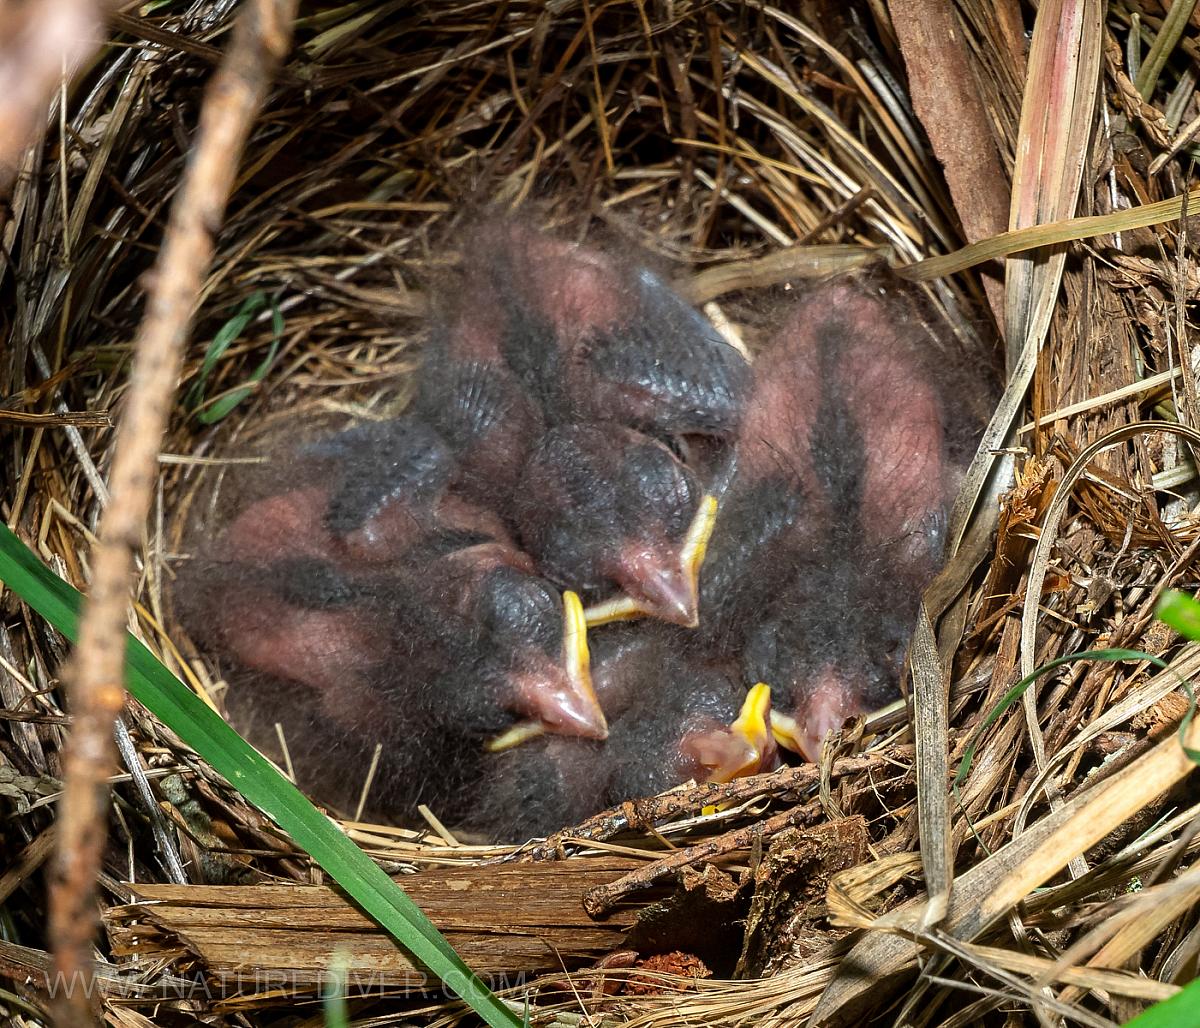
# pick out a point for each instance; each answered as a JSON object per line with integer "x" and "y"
{"x": 220, "y": 406}
{"x": 1181, "y": 612}
{"x": 201, "y": 728}
{"x": 1181, "y": 1009}
{"x": 213, "y": 410}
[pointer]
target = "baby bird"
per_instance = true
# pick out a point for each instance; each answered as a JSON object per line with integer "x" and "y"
{"x": 683, "y": 716}
{"x": 597, "y": 349}
{"x": 416, "y": 561}
{"x": 603, "y": 506}
{"x": 303, "y": 655}
{"x": 832, "y": 645}
{"x": 520, "y": 645}
{"x": 673, "y": 718}
{"x": 595, "y": 338}
{"x": 835, "y": 520}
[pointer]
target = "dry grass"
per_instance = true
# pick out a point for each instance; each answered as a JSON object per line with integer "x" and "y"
{"x": 745, "y": 147}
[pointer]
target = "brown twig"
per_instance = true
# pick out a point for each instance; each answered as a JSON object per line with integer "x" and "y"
{"x": 688, "y": 802}
{"x": 603, "y": 897}
{"x": 80, "y": 419}
{"x": 260, "y": 41}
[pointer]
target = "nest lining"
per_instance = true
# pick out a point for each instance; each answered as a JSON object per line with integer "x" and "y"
{"x": 384, "y": 126}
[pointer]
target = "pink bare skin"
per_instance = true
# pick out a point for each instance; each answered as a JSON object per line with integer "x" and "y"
{"x": 390, "y": 532}
{"x": 323, "y": 649}
{"x": 844, "y": 460}
{"x": 594, "y": 335}
{"x": 578, "y": 288}
{"x": 898, "y": 409}
{"x": 288, "y": 522}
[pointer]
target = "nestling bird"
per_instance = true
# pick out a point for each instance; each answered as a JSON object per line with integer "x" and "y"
{"x": 838, "y": 513}
{"x": 678, "y": 714}
{"x": 673, "y": 717}
{"x": 522, "y": 645}
{"x": 597, "y": 338}
{"x": 426, "y": 667}
{"x": 417, "y": 563}
{"x": 587, "y": 341}
{"x": 601, "y": 506}
{"x": 337, "y": 678}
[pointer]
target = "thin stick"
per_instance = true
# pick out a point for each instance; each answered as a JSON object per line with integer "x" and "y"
{"x": 261, "y": 39}
{"x": 287, "y": 754}
{"x": 366, "y": 787}
{"x": 599, "y": 900}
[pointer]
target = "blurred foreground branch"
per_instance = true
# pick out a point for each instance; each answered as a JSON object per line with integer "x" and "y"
{"x": 232, "y": 101}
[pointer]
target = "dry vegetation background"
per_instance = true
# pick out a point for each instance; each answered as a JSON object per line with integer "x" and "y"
{"x": 746, "y": 146}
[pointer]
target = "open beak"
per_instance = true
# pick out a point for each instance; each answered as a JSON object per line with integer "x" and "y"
{"x": 788, "y": 733}
{"x": 746, "y": 747}
{"x": 752, "y": 728}
{"x": 824, "y": 709}
{"x": 559, "y": 695}
{"x": 669, "y": 591}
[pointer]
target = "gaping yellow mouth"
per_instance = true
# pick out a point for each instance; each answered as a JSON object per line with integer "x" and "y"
{"x": 751, "y": 732}
{"x": 683, "y": 606}
{"x": 558, "y": 697}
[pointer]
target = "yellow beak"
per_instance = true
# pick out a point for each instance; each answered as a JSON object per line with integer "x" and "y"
{"x": 684, "y": 603}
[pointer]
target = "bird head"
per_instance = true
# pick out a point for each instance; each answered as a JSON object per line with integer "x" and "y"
{"x": 539, "y": 642}
{"x": 658, "y": 558}
{"x": 745, "y": 747}
{"x": 834, "y": 649}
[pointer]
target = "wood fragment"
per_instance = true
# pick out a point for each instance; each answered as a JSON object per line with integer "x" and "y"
{"x": 506, "y": 922}
{"x": 690, "y": 801}
{"x": 602, "y": 898}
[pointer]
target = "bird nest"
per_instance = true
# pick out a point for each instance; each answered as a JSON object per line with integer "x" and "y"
{"x": 981, "y": 858}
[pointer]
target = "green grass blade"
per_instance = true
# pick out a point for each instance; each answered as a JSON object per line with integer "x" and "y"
{"x": 209, "y": 412}
{"x": 1181, "y": 1009}
{"x": 227, "y": 334}
{"x": 1009, "y": 698}
{"x": 334, "y": 998}
{"x": 1182, "y": 613}
{"x": 219, "y": 407}
{"x": 176, "y": 706}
